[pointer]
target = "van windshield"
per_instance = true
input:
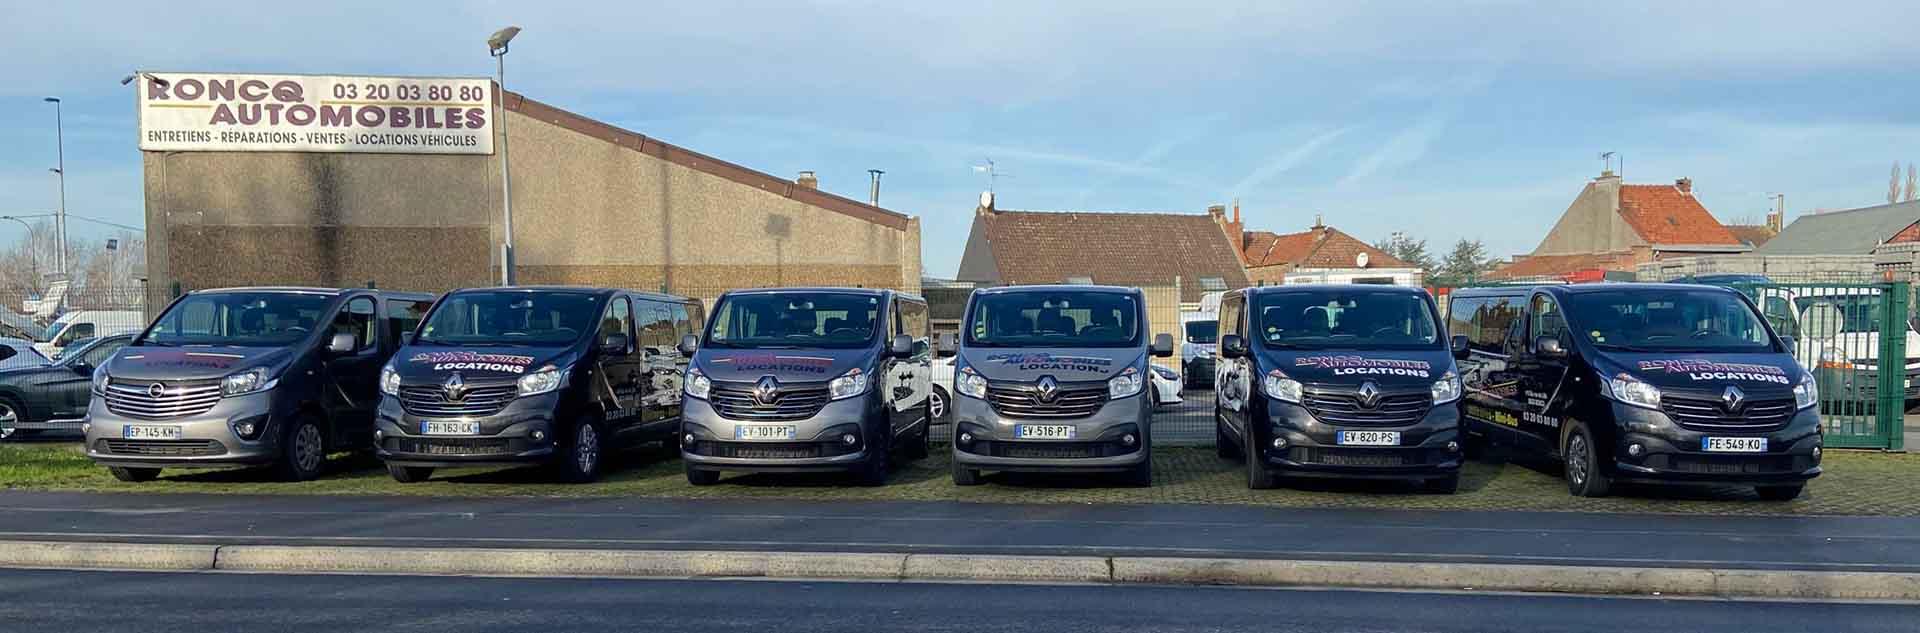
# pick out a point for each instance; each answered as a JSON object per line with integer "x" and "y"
{"x": 1668, "y": 321}
{"x": 795, "y": 319}
{"x": 1055, "y": 319}
{"x": 1347, "y": 320}
{"x": 1203, "y": 332}
{"x": 512, "y": 318}
{"x": 244, "y": 319}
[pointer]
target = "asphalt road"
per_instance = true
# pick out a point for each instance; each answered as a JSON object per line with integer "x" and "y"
{"x": 1637, "y": 540}
{"x": 63, "y": 602}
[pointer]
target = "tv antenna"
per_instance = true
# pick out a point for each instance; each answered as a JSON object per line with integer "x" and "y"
{"x": 1607, "y": 161}
{"x": 992, "y": 172}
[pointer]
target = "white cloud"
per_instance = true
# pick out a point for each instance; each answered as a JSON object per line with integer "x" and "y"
{"x": 1285, "y": 162}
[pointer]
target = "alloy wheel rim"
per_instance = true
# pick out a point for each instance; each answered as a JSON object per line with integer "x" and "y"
{"x": 1577, "y": 460}
{"x": 587, "y": 448}
{"x": 306, "y": 448}
{"x": 938, "y": 406}
{"x": 7, "y": 418}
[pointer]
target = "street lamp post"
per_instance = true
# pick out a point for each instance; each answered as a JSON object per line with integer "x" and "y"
{"x": 60, "y": 220}
{"x": 497, "y": 47}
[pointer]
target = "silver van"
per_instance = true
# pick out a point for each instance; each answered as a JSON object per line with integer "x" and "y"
{"x": 1054, "y": 379}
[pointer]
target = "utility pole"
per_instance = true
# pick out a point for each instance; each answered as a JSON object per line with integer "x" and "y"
{"x": 60, "y": 220}
{"x": 497, "y": 47}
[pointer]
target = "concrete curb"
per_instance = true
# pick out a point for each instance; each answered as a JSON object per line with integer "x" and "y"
{"x": 1722, "y": 583}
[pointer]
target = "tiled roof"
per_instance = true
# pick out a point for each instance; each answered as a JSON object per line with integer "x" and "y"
{"x": 1558, "y": 265}
{"x": 1123, "y": 249}
{"x": 1324, "y": 247}
{"x": 1665, "y": 215}
{"x": 1909, "y": 234}
{"x": 1751, "y": 234}
{"x": 1850, "y": 232}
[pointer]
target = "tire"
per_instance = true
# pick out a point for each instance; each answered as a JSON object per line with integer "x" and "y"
{"x": 134, "y": 475}
{"x": 10, "y": 413}
{"x": 1780, "y": 493}
{"x": 917, "y": 443}
{"x": 1258, "y": 476}
{"x": 938, "y": 405}
{"x": 1443, "y": 485}
{"x": 873, "y": 471}
{"x": 1141, "y": 476}
{"x": 702, "y": 477}
{"x": 1471, "y": 447}
{"x": 1583, "y": 469}
{"x": 1223, "y": 446}
{"x": 963, "y": 476}
{"x": 580, "y": 458}
{"x": 409, "y": 474}
{"x": 303, "y": 451}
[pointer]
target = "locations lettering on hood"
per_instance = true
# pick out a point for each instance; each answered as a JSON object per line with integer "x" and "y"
{"x": 1706, "y": 370}
{"x": 1044, "y": 360}
{"x": 1350, "y": 365}
{"x": 776, "y": 363}
{"x": 474, "y": 361}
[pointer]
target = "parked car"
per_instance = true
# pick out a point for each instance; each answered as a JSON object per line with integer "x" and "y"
{"x": 1346, "y": 381}
{"x": 275, "y": 377}
{"x": 1200, "y": 332}
{"x": 1651, "y": 383}
{"x": 74, "y": 326}
{"x": 536, "y": 375}
{"x": 1053, "y": 379}
{"x": 809, "y": 379}
{"x": 38, "y": 396}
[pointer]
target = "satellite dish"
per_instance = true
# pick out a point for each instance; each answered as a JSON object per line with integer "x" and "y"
{"x": 1360, "y": 260}
{"x": 986, "y": 199}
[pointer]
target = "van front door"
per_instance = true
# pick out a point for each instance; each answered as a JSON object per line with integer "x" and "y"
{"x": 353, "y": 388}
{"x": 1543, "y": 377}
{"x": 658, "y": 365}
{"x": 619, "y": 382}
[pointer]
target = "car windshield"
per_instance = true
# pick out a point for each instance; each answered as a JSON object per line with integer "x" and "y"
{"x": 795, "y": 319}
{"x": 512, "y": 317}
{"x": 244, "y": 319}
{"x": 1204, "y": 332}
{"x": 1668, "y": 321}
{"x": 1065, "y": 318}
{"x": 1346, "y": 319}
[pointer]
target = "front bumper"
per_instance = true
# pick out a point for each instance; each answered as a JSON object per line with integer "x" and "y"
{"x": 1429, "y": 448}
{"x": 1671, "y": 453}
{"x": 506, "y": 438}
{"x": 818, "y": 443}
{"x": 1099, "y": 443}
{"x": 207, "y": 440}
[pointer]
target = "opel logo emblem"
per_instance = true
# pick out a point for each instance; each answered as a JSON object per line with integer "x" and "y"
{"x": 1048, "y": 389}
{"x": 1734, "y": 398}
{"x": 1369, "y": 394}
{"x": 156, "y": 391}
{"x": 456, "y": 387}
{"x": 766, "y": 391}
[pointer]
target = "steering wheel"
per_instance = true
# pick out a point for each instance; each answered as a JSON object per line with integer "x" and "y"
{"x": 845, "y": 331}
{"x": 1702, "y": 334}
{"x": 299, "y": 329}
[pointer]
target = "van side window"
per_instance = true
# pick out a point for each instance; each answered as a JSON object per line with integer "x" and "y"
{"x": 619, "y": 320}
{"x": 1492, "y": 322}
{"x": 1230, "y": 321}
{"x": 358, "y": 319}
{"x": 913, "y": 318}
{"x": 75, "y": 332}
{"x": 1780, "y": 314}
{"x": 404, "y": 315}
{"x": 1461, "y": 314}
{"x": 1546, "y": 319}
{"x": 683, "y": 322}
{"x": 656, "y": 327}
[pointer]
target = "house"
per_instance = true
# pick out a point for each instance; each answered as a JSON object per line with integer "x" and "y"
{"x": 1320, "y": 254}
{"x": 1851, "y": 232}
{"x": 1616, "y": 227}
{"x": 1187, "y": 250}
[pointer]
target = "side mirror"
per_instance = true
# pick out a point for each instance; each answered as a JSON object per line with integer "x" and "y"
{"x": 1549, "y": 347}
{"x": 1460, "y": 346}
{"x": 688, "y": 344}
{"x": 83, "y": 368}
{"x": 406, "y": 338}
{"x": 1232, "y": 346}
{"x": 342, "y": 343}
{"x": 1163, "y": 345}
{"x": 901, "y": 346}
{"x": 614, "y": 344}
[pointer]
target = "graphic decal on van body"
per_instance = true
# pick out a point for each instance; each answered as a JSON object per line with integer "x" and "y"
{"x": 474, "y": 361}
{"x": 1044, "y": 360}
{"x": 763, "y": 362}
{"x": 172, "y": 358}
{"x": 1351, "y": 365}
{"x": 1706, "y": 370}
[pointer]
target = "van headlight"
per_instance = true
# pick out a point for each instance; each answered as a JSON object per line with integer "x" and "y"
{"x": 1807, "y": 393}
{"x": 245, "y": 382}
{"x": 1626, "y": 389}
{"x": 848, "y": 385}
{"x": 1125, "y": 385}
{"x": 1447, "y": 389}
{"x": 389, "y": 381}
{"x": 547, "y": 380}
{"x": 1280, "y": 387}
{"x": 698, "y": 386}
{"x": 970, "y": 383}
{"x": 100, "y": 378}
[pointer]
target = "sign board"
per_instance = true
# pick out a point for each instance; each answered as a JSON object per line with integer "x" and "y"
{"x": 212, "y": 112}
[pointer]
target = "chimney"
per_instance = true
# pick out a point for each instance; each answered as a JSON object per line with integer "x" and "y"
{"x": 1319, "y": 222}
{"x": 808, "y": 180}
{"x": 873, "y": 198}
{"x": 1218, "y": 211}
{"x": 1685, "y": 185}
{"x": 1777, "y": 221}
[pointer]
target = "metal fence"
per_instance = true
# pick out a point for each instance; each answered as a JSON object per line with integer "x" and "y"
{"x": 53, "y": 319}
{"x": 1855, "y": 339}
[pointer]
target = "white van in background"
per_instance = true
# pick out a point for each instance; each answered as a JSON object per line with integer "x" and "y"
{"x": 1199, "y": 335}
{"x": 84, "y": 324}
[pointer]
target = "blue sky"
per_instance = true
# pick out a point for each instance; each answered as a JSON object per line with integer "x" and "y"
{"x": 1475, "y": 119}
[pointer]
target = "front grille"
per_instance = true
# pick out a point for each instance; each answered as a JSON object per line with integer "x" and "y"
{"x": 1366, "y": 457}
{"x": 1049, "y": 450}
{"x": 1706, "y": 414}
{"x": 1731, "y": 464}
{"x": 161, "y": 448}
{"x": 772, "y": 450}
{"x": 176, "y": 398}
{"x": 791, "y": 402}
{"x": 460, "y": 446}
{"x": 477, "y": 401}
{"x": 1073, "y": 400}
{"x": 1342, "y": 407}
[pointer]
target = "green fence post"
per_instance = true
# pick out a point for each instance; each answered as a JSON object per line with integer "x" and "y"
{"x": 1892, "y": 405}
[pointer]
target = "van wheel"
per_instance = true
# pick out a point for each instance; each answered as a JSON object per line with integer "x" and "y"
{"x": 917, "y": 443}
{"x": 1223, "y": 445}
{"x": 134, "y": 475}
{"x": 409, "y": 474}
{"x": 937, "y": 405}
{"x": 1584, "y": 476}
{"x": 1472, "y": 447}
{"x": 1258, "y": 476}
{"x": 963, "y": 476}
{"x": 1443, "y": 485}
{"x": 702, "y": 477}
{"x": 580, "y": 460}
{"x": 303, "y": 451}
{"x": 1780, "y": 493}
{"x": 1141, "y": 476}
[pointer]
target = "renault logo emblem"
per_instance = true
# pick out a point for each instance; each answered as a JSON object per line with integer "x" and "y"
{"x": 156, "y": 391}
{"x": 1369, "y": 394}
{"x": 456, "y": 387}
{"x": 1734, "y": 398}
{"x": 1048, "y": 389}
{"x": 766, "y": 391}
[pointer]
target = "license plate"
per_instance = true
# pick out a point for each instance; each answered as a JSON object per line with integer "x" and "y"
{"x": 1044, "y": 431}
{"x": 1368, "y": 438}
{"x": 764, "y": 432}
{"x": 1733, "y": 444}
{"x": 142, "y": 432}
{"x": 449, "y": 427}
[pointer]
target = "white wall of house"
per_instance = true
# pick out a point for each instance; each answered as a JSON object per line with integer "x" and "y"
{"x": 1394, "y": 276}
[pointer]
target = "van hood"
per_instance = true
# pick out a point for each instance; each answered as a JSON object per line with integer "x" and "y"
{"x": 1706, "y": 371}
{"x": 192, "y": 362}
{"x": 784, "y": 365}
{"x": 417, "y": 364}
{"x": 1065, "y": 364}
{"x": 1387, "y": 368}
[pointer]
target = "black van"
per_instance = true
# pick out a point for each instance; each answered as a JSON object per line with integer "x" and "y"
{"x": 1660, "y": 383}
{"x": 274, "y": 377}
{"x": 808, "y": 379}
{"x": 534, "y": 375}
{"x": 1337, "y": 381}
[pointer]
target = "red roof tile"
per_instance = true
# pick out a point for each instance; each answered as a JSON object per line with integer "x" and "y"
{"x": 1123, "y": 249}
{"x": 1324, "y": 247}
{"x": 1664, "y": 215}
{"x": 1560, "y": 265}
